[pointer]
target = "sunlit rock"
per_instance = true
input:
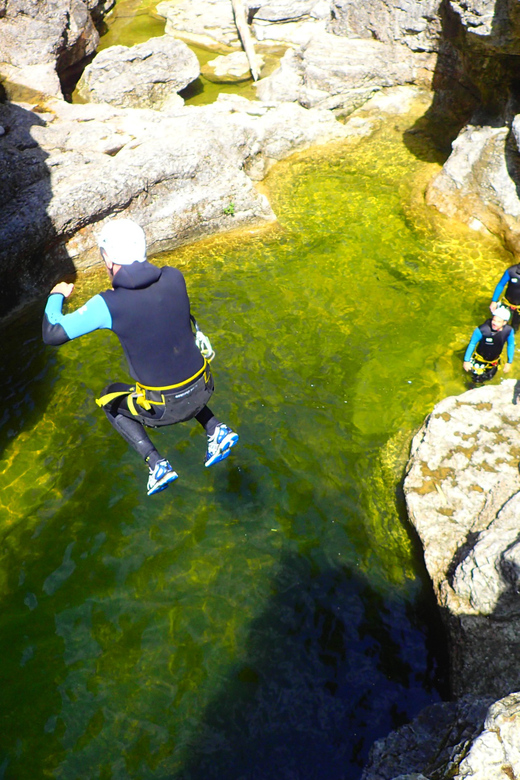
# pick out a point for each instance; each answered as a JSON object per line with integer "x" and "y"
{"x": 462, "y": 493}
{"x": 415, "y": 24}
{"x": 207, "y": 22}
{"x": 230, "y": 69}
{"x": 480, "y": 181}
{"x": 143, "y": 76}
{"x": 65, "y": 167}
{"x": 338, "y": 73}
{"x": 39, "y": 41}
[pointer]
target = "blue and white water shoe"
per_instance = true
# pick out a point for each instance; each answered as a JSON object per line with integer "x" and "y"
{"x": 160, "y": 477}
{"x": 219, "y": 445}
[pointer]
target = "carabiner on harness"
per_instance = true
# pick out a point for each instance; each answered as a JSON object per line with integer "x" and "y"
{"x": 202, "y": 342}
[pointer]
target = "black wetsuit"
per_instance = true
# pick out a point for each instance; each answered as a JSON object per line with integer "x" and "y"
{"x": 149, "y": 310}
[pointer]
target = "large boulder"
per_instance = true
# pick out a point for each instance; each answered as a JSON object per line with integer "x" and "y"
{"x": 293, "y": 22}
{"x": 142, "y": 76}
{"x": 436, "y": 740}
{"x": 211, "y": 23}
{"x": 479, "y": 183}
{"x": 339, "y": 73}
{"x": 39, "y": 41}
{"x": 462, "y": 493}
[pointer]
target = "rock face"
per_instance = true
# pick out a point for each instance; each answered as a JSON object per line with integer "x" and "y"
{"x": 481, "y": 180}
{"x": 66, "y": 169}
{"x": 40, "y": 40}
{"x": 211, "y": 22}
{"x": 462, "y": 492}
{"x": 340, "y": 73}
{"x": 471, "y": 739}
{"x": 463, "y": 496}
{"x": 479, "y": 183}
{"x": 142, "y": 76}
{"x": 415, "y": 24}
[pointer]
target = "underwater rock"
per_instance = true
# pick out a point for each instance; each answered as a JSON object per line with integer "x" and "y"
{"x": 340, "y": 73}
{"x": 141, "y": 76}
{"x": 39, "y": 41}
{"x": 462, "y": 493}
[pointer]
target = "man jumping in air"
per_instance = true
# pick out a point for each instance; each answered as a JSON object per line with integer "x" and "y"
{"x": 149, "y": 310}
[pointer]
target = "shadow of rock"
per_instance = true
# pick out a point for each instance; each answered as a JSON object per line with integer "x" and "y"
{"x": 297, "y": 705}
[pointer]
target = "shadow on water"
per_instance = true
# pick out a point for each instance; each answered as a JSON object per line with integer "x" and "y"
{"x": 329, "y": 667}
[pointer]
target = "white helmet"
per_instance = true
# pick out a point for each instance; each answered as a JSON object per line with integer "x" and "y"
{"x": 124, "y": 241}
{"x": 502, "y": 312}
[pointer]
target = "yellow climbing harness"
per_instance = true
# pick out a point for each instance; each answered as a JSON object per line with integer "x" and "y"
{"x": 483, "y": 364}
{"x": 512, "y": 306}
{"x": 137, "y": 394}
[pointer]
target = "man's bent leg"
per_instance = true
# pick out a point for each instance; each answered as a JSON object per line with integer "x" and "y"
{"x": 208, "y": 420}
{"x": 133, "y": 432}
{"x": 135, "y": 435}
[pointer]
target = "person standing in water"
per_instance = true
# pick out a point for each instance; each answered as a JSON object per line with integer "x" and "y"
{"x": 149, "y": 310}
{"x": 482, "y": 356}
{"x": 511, "y": 282}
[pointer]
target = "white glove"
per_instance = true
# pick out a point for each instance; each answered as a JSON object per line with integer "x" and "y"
{"x": 204, "y": 344}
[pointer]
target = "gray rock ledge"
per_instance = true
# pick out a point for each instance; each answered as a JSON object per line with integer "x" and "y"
{"x": 462, "y": 493}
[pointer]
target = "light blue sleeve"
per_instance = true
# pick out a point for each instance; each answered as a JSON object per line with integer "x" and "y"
{"x": 511, "y": 346}
{"x": 93, "y": 315}
{"x": 477, "y": 335}
{"x": 500, "y": 286}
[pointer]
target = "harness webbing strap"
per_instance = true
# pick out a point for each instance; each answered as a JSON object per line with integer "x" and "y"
{"x": 137, "y": 394}
{"x": 480, "y": 359}
{"x": 512, "y": 306}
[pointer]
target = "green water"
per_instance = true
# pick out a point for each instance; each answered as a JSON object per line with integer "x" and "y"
{"x": 268, "y": 617}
